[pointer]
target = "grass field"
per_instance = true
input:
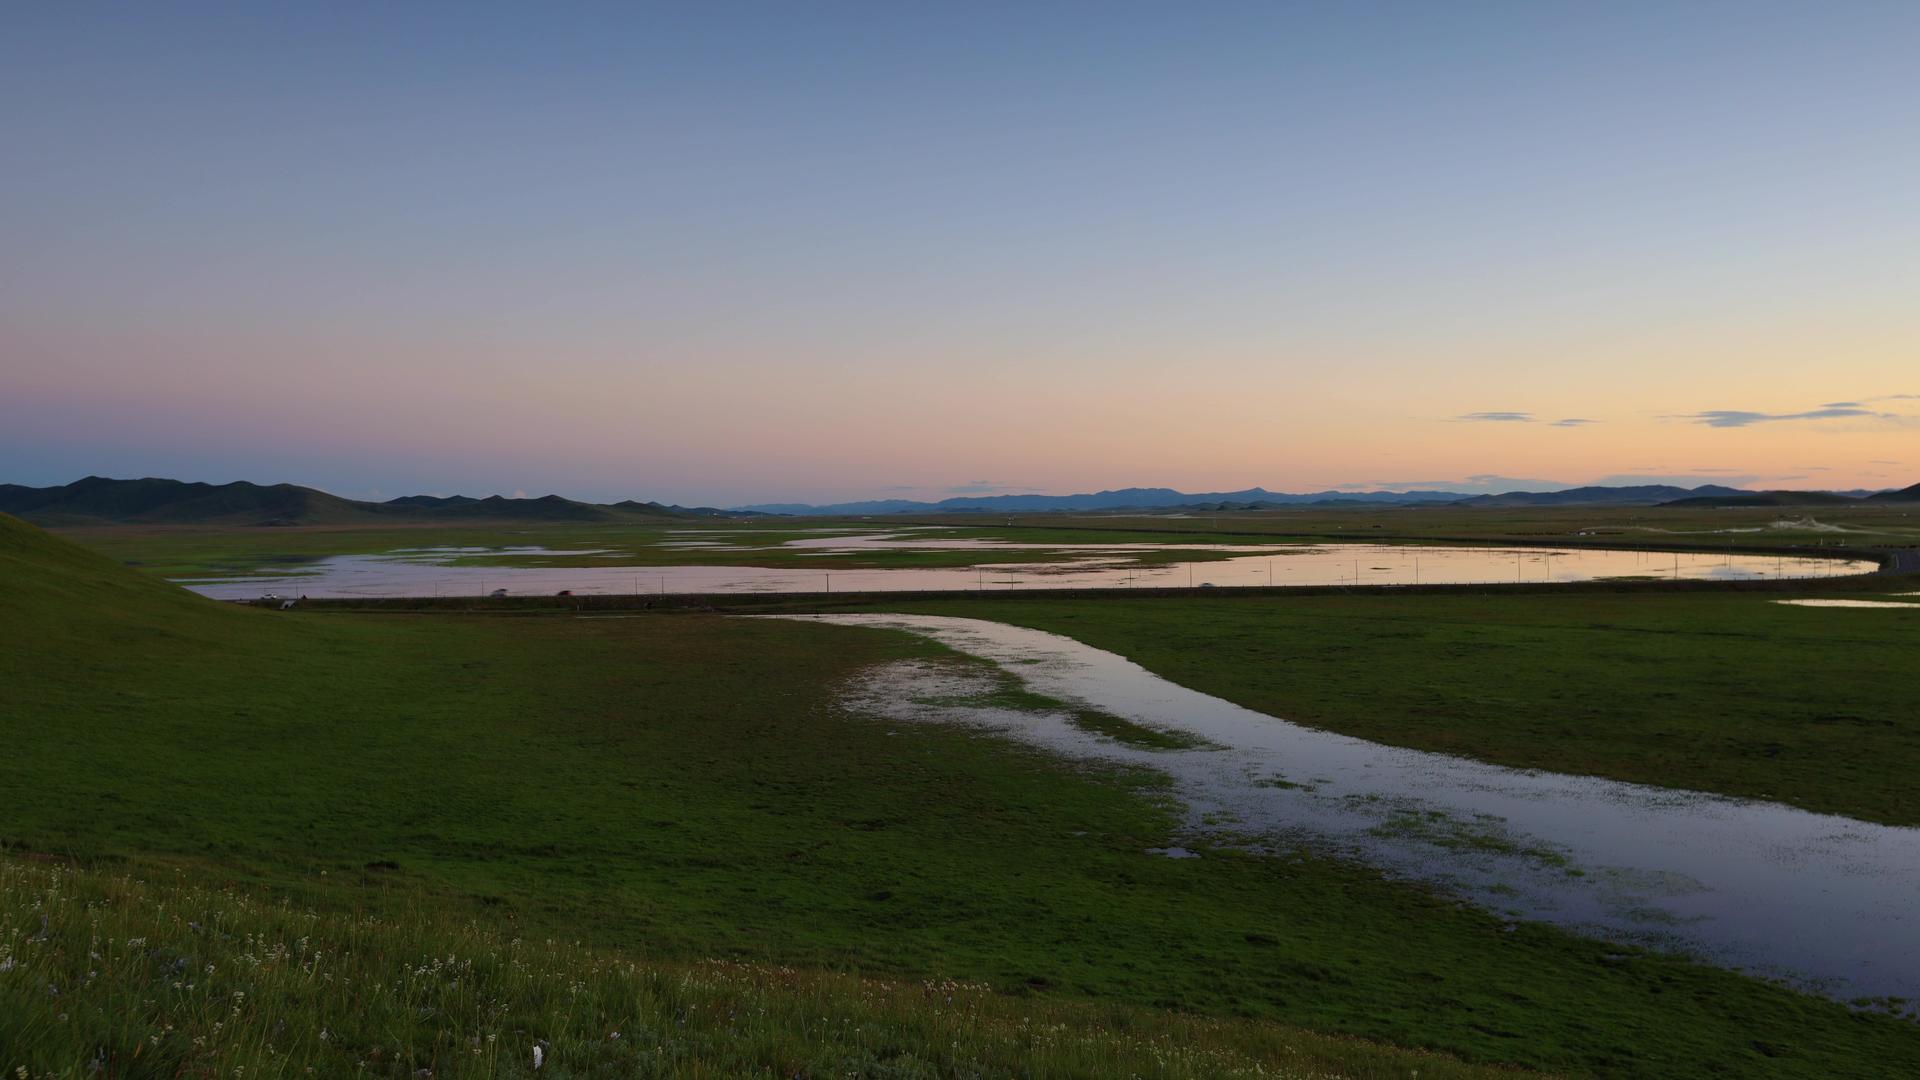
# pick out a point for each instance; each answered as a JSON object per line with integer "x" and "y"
{"x": 160, "y": 975}
{"x": 677, "y": 788}
{"x": 185, "y": 550}
{"x": 1723, "y": 692}
{"x": 179, "y": 551}
{"x": 1867, "y": 525}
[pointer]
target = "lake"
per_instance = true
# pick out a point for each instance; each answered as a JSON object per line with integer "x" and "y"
{"x": 1003, "y": 565}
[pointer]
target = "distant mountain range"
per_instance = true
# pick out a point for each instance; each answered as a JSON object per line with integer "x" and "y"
{"x": 1122, "y": 499}
{"x": 1261, "y": 499}
{"x": 97, "y": 500}
{"x": 1801, "y": 498}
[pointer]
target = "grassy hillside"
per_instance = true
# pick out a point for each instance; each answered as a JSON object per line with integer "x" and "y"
{"x": 673, "y": 789}
{"x": 1765, "y": 498}
{"x": 158, "y": 977}
{"x": 1910, "y": 494}
{"x": 98, "y": 500}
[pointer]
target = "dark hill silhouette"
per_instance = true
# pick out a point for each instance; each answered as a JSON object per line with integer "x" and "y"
{"x": 1767, "y": 498}
{"x": 1905, "y": 494}
{"x": 98, "y": 500}
{"x": 1634, "y": 495}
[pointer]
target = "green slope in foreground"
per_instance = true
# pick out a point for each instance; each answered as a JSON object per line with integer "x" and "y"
{"x": 674, "y": 789}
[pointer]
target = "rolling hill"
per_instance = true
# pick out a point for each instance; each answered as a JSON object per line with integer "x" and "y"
{"x": 1249, "y": 499}
{"x": 98, "y": 500}
{"x": 1633, "y": 495}
{"x": 1766, "y": 498}
{"x": 1905, "y": 494}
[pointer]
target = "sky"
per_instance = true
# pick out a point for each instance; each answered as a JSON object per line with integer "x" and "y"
{"x": 729, "y": 253}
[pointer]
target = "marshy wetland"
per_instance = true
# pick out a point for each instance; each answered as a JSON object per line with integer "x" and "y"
{"x": 842, "y": 560}
{"x": 1823, "y": 900}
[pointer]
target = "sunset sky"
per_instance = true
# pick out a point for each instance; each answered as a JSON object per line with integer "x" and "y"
{"x": 722, "y": 253}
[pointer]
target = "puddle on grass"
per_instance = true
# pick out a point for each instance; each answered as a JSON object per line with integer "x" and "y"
{"x": 1826, "y": 902}
{"x": 1850, "y": 603}
{"x": 424, "y": 572}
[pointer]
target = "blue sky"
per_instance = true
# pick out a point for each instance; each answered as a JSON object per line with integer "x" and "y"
{"x": 737, "y": 252}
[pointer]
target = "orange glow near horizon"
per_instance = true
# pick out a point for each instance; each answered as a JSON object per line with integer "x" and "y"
{"x": 724, "y": 260}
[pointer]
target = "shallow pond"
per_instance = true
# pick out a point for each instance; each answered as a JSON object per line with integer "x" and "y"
{"x": 1825, "y": 901}
{"x": 428, "y": 572}
{"x": 1850, "y": 603}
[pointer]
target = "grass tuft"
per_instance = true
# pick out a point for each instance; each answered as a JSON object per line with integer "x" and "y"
{"x": 109, "y": 973}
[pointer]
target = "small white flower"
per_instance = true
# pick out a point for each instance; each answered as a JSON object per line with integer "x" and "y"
{"x": 538, "y": 1055}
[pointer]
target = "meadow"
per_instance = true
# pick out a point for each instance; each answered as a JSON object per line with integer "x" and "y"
{"x": 226, "y": 550}
{"x": 672, "y": 789}
{"x": 197, "y": 551}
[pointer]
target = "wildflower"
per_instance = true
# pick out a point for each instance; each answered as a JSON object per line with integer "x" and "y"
{"x": 538, "y": 1056}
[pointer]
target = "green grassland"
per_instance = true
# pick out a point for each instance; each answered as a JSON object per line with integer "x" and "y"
{"x": 186, "y": 551}
{"x": 162, "y": 976}
{"x": 673, "y": 788}
{"x": 1863, "y": 525}
{"x": 1707, "y": 691}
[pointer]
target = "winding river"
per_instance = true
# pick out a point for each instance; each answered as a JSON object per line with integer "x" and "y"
{"x": 1829, "y": 903}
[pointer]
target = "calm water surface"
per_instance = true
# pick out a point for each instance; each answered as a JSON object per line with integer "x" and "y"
{"x": 427, "y": 572}
{"x": 1828, "y": 902}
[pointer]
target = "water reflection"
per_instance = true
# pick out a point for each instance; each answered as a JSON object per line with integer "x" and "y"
{"x": 1850, "y": 603}
{"x": 428, "y": 571}
{"x": 1824, "y": 900}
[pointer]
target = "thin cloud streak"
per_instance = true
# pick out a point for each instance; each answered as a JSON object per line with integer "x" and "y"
{"x": 1511, "y": 417}
{"x": 1733, "y": 418}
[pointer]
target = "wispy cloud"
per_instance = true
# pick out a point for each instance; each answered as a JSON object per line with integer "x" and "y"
{"x": 983, "y": 487}
{"x": 1721, "y": 477}
{"x": 1479, "y": 484}
{"x": 1733, "y": 418}
{"x": 1510, "y": 417}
